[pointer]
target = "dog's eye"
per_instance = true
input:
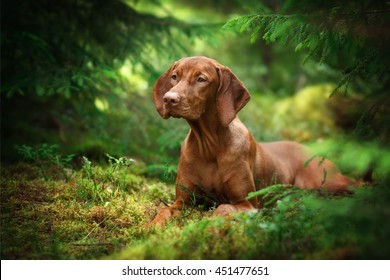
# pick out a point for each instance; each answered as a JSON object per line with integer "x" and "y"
{"x": 201, "y": 80}
{"x": 174, "y": 77}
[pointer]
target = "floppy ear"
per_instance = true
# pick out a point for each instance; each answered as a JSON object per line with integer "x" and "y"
{"x": 231, "y": 96}
{"x": 162, "y": 86}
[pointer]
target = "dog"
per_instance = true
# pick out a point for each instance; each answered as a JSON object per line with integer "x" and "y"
{"x": 220, "y": 157}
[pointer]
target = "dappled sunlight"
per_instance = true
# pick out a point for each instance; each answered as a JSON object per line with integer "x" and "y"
{"x": 87, "y": 161}
{"x": 311, "y": 114}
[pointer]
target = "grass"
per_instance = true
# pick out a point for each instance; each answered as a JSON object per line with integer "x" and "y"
{"x": 101, "y": 212}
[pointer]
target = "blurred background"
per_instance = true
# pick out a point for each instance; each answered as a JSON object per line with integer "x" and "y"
{"x": 79, "y": 74}
{"x": 86, "y": 160}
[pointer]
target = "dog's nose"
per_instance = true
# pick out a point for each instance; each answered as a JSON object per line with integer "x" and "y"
{"x": 171, "y": 98}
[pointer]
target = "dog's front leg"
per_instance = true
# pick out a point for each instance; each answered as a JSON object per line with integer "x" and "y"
{"x": 164, "y": 214}
{"x": 237, "y": 189}
{"x": 167, "y": 212}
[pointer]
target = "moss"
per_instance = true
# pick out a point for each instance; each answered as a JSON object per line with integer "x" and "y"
{"x": 79, "y": 219}
{"x": 55, "y": 219}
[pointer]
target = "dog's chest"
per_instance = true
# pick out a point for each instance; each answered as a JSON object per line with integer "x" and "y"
{"x": 209, "y": 177}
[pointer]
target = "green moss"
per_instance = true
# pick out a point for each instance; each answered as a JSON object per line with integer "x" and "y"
{"x": 57, "y": 219}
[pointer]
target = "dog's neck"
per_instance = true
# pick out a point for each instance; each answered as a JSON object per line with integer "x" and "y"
{"x": 205, "y": 133}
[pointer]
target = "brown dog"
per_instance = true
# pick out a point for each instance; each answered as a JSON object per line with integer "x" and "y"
{"x": 220, "y": 157}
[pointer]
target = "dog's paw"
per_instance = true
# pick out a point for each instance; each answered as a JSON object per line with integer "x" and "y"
{"x": 224, "y": 210}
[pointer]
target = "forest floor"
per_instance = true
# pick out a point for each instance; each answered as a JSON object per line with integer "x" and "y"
{"x": 101, "y": 212}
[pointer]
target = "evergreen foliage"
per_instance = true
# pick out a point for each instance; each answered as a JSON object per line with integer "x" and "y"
{"x": 61, "y": 59}
{"x": 349, "y": 36}
{"x": 75, "y": 47}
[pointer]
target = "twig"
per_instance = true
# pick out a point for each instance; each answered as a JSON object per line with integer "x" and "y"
{"x": 165, "y": 203}
{"x": 93, "y": 244}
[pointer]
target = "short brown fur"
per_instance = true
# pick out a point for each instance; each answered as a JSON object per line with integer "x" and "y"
{"x": 220, "y": 156}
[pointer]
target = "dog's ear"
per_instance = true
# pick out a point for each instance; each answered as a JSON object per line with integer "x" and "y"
{"x": 231, "y": 96}
{"x": 162, "y": 86}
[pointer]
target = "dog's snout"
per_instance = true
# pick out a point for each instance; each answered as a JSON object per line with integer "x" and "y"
{"x": 171, "y": 98}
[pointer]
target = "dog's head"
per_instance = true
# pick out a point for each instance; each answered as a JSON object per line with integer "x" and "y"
{"x": 195, "y": 85}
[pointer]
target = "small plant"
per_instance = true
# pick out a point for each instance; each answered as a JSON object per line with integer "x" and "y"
{"x": 115, "y": 173}
{"x": 117, "y": 163}
{"x": 274, "y": 193}
{"x": 100, "y": 183}
{"x": 96, "y": 188}
{"x": 44, "y": 156}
